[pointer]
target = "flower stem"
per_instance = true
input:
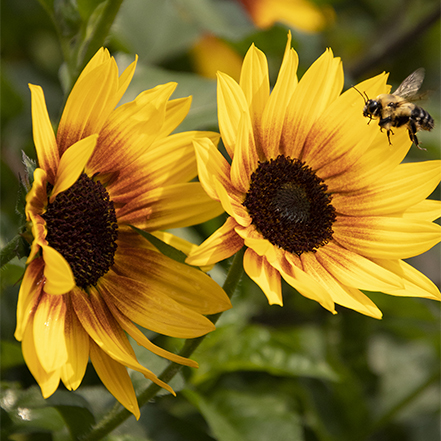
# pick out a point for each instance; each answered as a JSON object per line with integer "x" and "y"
{"x": 97, "y": 35}
{"x": 118, "y": 414}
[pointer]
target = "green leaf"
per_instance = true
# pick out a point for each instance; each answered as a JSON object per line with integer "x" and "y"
{"x": 160, "y": 23}
{"x": 78, "y": 419}
{"x": 225, "y": 19}
{"x": 160, "y": 424}
{"x": 248, "y": 416}
{"x": 30, "y": 413}
{"x": 6, "y": 424}
{"x": 219, "y": 424}
{"x": 163, "y": 247}
{"x": 256, "y": 348}
{"x": 31, "y": 419}
{"x": 10, "y": 354}
{"x": 74, "y": 410}
{"x": 324, "y": 403}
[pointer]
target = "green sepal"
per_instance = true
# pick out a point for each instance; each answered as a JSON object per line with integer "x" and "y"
{"x": 30, "y": 166}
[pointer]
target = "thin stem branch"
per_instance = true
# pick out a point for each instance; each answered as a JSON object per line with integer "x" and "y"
{"x": 392, "y": 45}
{"x": 118, "y": 414}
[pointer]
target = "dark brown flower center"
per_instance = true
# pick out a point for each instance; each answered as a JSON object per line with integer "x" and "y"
{"x": 81, "y": 225}
{"x": 289, "y": 205}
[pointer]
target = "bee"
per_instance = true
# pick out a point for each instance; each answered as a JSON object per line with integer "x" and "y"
{"x": 394, "y": 110}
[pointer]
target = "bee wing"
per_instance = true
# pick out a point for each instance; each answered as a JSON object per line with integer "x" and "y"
{"x": 411, "y": 84}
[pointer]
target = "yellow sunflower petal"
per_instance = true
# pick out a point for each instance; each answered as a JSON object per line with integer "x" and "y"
{"x": 341, "y": 134}
{"x": 125, "y": 79}
{"x": 266, "y": 276}
{"x": 212, "y": 166}
{"x": 175, "y": 206}
{"x": 359, "y": 302}
{"x": 72, "y": 164}
{"x": 77, "y": 345}
{"x": 221, "y": 245}
{"x": 407, "y": 185}
{"x": 231, "y": 103}
{"x": 142, "y": 340}
{"x": 180, "y": 244}
{"x": 254, "y": 81}
{"x": 39, "y": 232}
{"x": 101, "y": 56}
{"x": 232, "y": 203}
{"x": 386, "y": 238}
{"x": 175, "y": 241}
{"x": 342, "y": 295}
{"x": 415, "y": 284}
{"x": 254, "y": 240}
{"x": 152, "y": 307}
{"x": 319, "y": 86}
{"x": 186, "y": 285}
{"x": 356, "y": 271}
{"x": 44, "y": 137}
{"x": 115, "y": 377}
{"x": 169, "y": 161}
{"x": 176, "y": 111}
{"x": 291, "y": 270}
{"x": 36, "y": 199}
{"x": 101, "y": 326}
{"x": 58, "y": 273}
{"x": 376, "y": 162}
{"x": 90, "y": 102}
{"x": 245, "y": 160}
{"x": 425, "y": 210}
{"x": 274, "y": 114}
{"x": 128, "y": 131}
{"x": 48, "y": 381}
{"x": 50, "y": 344}
{"x": 29, "y": 294}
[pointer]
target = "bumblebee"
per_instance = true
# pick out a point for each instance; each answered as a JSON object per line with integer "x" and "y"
{"x": 394, "y": 110}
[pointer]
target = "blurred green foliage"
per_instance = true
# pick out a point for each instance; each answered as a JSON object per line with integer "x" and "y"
{"x": 293, "y": 373}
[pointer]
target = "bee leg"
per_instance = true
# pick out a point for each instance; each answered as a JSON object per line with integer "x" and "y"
{"x": 414, "y": 139}
{"x": 389, "y": 132}
{"x": 386, "y": 123}
{"x": 412, "y": 135}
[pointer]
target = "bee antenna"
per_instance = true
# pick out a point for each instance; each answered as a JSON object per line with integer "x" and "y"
{"x": 363, "y": 95}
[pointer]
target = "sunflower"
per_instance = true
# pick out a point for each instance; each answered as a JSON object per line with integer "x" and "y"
{"x": 317, "y": 195}
{"x": 89, "y": 276}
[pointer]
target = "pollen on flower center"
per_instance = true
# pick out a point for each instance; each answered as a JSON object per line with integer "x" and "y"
{"x": 81, "y": 225}
{"x": 289, "y": 205}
